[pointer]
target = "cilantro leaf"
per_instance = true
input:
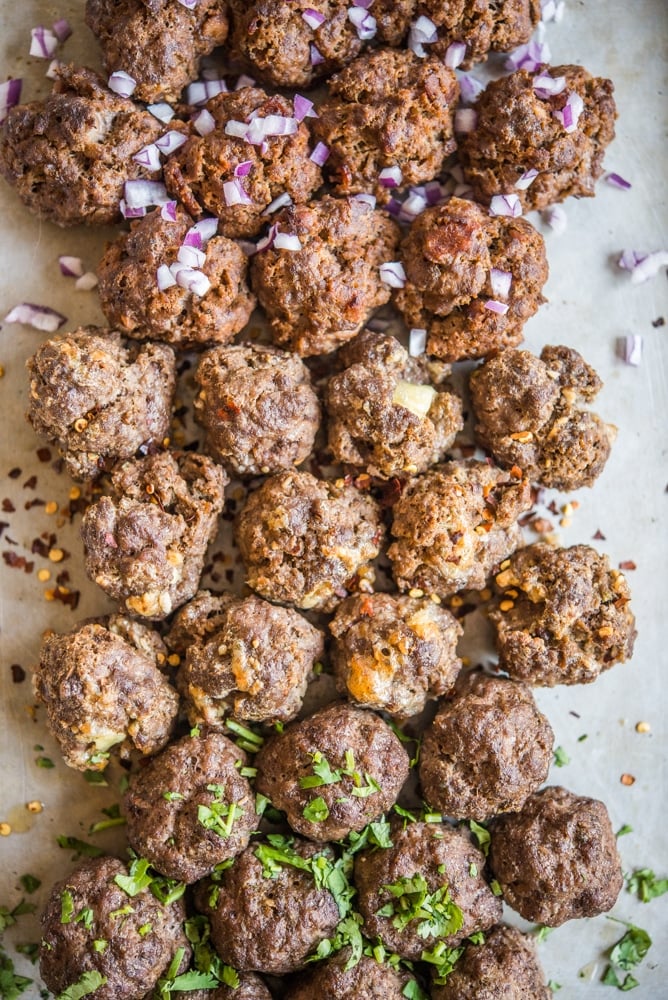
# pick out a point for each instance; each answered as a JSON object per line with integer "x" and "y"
{"x": 316, "y": 810}
{"x": 435, "y": 912}
{"x": 87, "y": 983}
{"x": 80, "y": 847}
{"x": 631, "y": 948}
{"x": 138, "y": 879}
{"x": 66, "y": 907}
{"x": 11, "y": 985}
{"x": 30, "y": 883}
{"x": 561, "y": 758}
{"x": 322, "y": 773}
{"x": 482, "y": 835}
{"x": 610, "y": 978}
{"x": 542, "y": 932}
{"x": 413, "y": 991}
{"x": 246, "y": 738}
{"x": 645, "y": 883}
{"x": 623, "y": 830}
{"x": 443, "y": 959}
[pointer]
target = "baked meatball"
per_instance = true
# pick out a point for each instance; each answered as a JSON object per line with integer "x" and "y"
{"x": 84, "y": 909}
{"x": 556, "y": 859}
{"x": 426, "y": 860}
{"x": 529, "y": 413}
{"x": 158, "y": 42}
{"x": 518, "y": 130}
{"x": 366, "y": 980}
{"x": 387, "y": 109}
{"x": 98, "y": 399}
{"x": 102, "y": 688}
{"x": 269, "y": 919}
{"x": 306, "y": 541}
{"x": 69, "y": 156}
{"x": 255, "y": 665}
{"x": 392, "y": 654}
{"x": 472, "y": 281}
{"x": 250, "y": 987}
{"x": 454, "y": 524}
{"x": 145, "y": 544}
{"x": 484, "y": 26}
{"x": 486, "y": 751}
{"x": 198, "y": 172}
{"x": 190, "y": 809}
{"x": 197, "y": 620}
{"x": 385, "y": 416}
{"x": 561, "y": 615}
{"x": 504, "y": 966}
{"x": 258, "y": 407}
{"x": 333, "y": 772}
{"x": 320, "y": 296}
{"x": 133, "y": 303}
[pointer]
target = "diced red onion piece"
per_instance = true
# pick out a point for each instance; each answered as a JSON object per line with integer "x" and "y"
{"x": 618, "y": 181}
{"x": 170, "y": 142}
{"x": 71, "y": 267}
{"x": 552, "y": 10}
{"x": 162, "y": 111}
{"x": 244, "y": 81}
{"x": 43, "y": 42}
{"x": 505, "y": 204}
{"x": 188, "y": 4}
{"x": 393, "y": 206}
{"x": 149, "y": 157}
{"x": 570, "y": 113}
{"x": 287, "y": 241}
{"x": 496, "y": 307}
{"x": 365, "y": 23}
{"x": 62, "y": 29}
{"x": 629, "y": 349}
{"x": 413, "y": 206}
{"x": 422, "y": 32}
{"x": 142, "y": 194}
{"x": 527, "y": 179}
{"x": 267, "y": 241}
{"x": 201, "y": 91}
{"x": 168, "y": 211}
{"x": 546, "y": 86}
{"x": 320, "y": 154}
{"x": 303, "y": 108}
{"x": 433, "y": 192}
{"x": 239, "y": 130}
{"x": 393, "y": 274}
{"x": 261, "y": 128}
{"x": 417, "y": 342}
{"x": 362, "y": 3}
{"x": 281, "y": 202}
{"x": 630, "y": 258}
{"x": 204, "y": 123}
{"x": 165, "y": 278}
{"x": 193, "y": 239}
{"x": 366, "y": 199}
{"x": 193, "y": 281}
{"x": 316, "y": 56}
{"x": 454, "y": 54}
{"x": 556, "y": 218}
{"x": 530, "y": 57}
{"x": 122, "y": 83}
{"x": 130, "y": 213}
{"x": 649, "y": 266}
{"x": 54, "y": 69}
{"x": 377, "y": 324}
{"x": 205, "y": 229}
{"x": 209, "y": 70}
{"x": 86, "y": 282}
{"x": 466, "y": 120}
{"x": 243, "y": 169}
{"x": 470, "y": 88}
{"x": 390, "y": 177}
{"x": 39, "y": 317}
{"x": 313, "y": 18}
{"x": 500, "y": 282}
{"x": 190, "y": 256}
{"x": 235, "y": 193}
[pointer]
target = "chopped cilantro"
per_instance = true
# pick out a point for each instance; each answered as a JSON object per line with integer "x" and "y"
{"x": 542, "y": 932}
{"x": 31, "y": 951}
{"x": 100, "y": 945}
{"x": 87, "y": 983}
{"x": 551, "y": 985}
{"x": 581, "y": 739}
{"x": 247, "y": 739}
{"x": 107, "y": 824}
{"x": 219, "y": 816}
{"x": 631, "y": 948}
{"x": 194, "y": 732}
{"x": 623, "y": 830}
{"x": 316, "y": 810}
{"x": 610, "y": 978}
{"x": 373, "y": 835}
{"x": 496, "y": 887}
{"x": 85, "y": 917}
{"x": 405, "y": 814}
{"x": 124, "y": 911}
{"x": 95, "y": 778}
{"x": 80, "y": 847}
{"x": 435, "y": 912}
{"x": 561, "y": 758}
{"x": 167, "y": 890}
{"x": 44, "y": 762}
{"x": 279, "y": 727}
{"x": 322, "y": 773}
{"x": 413, "y": 991}
{"x": 482, "y": 835}
{"x": 99, "y": 758}
{"x": 248, "y": 772}
{"x": 205, "y": 958}
{"x": 477, "y": 938}
{"x": 123, "y": 784}
{"x": 66, "y": 907}
{"x": 473, "y": 869}
{"x": 172, "y": 796}
{"x": 144, "y": 930}
{"x": 646, "y": 885}
{"x": 433, "y": 817}
{"x": 30, "y": 883}
{"x": 8, "y": 917}
{"x": 11, "y": 985}
{"x": 443, "y": 959}
{"x": 137, "y": 880}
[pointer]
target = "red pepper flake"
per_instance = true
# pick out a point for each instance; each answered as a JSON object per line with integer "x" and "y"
{"x": 7, "y": 506}
{"x": 552, "y": 507}
{"x": 390, "y": 492}
{"x": 31, "y": 483}
{"x": 599, "y": 536}
{"x": 39, "y": 548}
{"x": 3, "y": 525}
{"x": 14, "y": 473}
{"x": 63, "y": 578}
{"x": 70, "y": 598}
{"x": 628, "y": 564}
{"x": 366, "y": 607}
{"x": 18, "y": 673}
{"x": 36, "y": 502}
{"x": 18, "y": 562}
{"x": 44, "y": 454}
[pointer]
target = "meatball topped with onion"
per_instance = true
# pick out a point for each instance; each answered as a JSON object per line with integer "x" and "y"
{"x": 475, "y": 30}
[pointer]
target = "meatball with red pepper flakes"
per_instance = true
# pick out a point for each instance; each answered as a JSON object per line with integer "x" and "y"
{"x": 388, "y": 109}
{"x": 257, "y": 152}
{"x": 557, "y": 120}
{"x": 342, "y": 978}
{"x": 504, "y": 965}
{"x": 472, "y": 281}
{"x": 482, "y": 27}
{"x": 69, "y": 155}
{"x": 319, "y": 294}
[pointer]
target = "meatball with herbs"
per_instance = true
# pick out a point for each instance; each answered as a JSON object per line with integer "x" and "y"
{"x": 145, "y": 543}
{"x": 258, "y": 407}
{"x": 342, "y": 978}
{"x": 320, "y": 293}
{"x": 102, "y": 927}
{"x": 557, "y": 858}
{"x": 250, "y": 987}
{"x": 385, "y": 416}
{"x": 392, "y": 654}
{"x": 472, "y": 280}
{"x": 561, "y": 616}
{"x": 483, "y": 27}
{"x": 99, "y": 399}
{"x": 556, "y": 121}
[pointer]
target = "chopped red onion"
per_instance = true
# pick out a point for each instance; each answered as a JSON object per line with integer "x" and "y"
{"x": 556, "y": 218}
{"x": 422, "y": 32}
{"x": 54, "y": 69}
{"x": 204, "y": 230}
{"x": 316, "y": 56}
{"x": 433, "y": 192}
{"x": 204, "y": 123}
{"x": 530, "y": 57}
{"x": 313, "y": 18}
{"x": 86, "y": 282}
{"x": 629, "y": 349}
{"x": 570, "y": 113}
{"x": 43, "y": 42}
{"x": 267, "y": 241}
{"x": 168, "y": 211}
{"x": 303, "y": 108}
{"x": 71, "y": 267}
{"x": 259, "y": 129}
{"x": 244, "y": 81}
{"x": 192, "y": 239}
{"x": 39, "y": 317}
{"x": 649, "y": 266}
{"x": 527, "y": 179}
{"x": 162, "y": 111}
{"x": 377, "y": 324}
{"x": 393, "y": 274}
{"x": 390, "y": 177}
{"x": 496, "y": 307}
{"x": 463, "y": 191}
{"x": 190, "y": 256}
{"x": 287, "y": 241}
{"x": 188, "y": 4}
{"x": 149, "y": 157}
{"x": 366, "y": 199}
{"x": 130, "y": 213}
{"x": 243, "y": 169}
{"x": 362, "y": 3}
{"x": 235, "y": 193}
{"x": 165, "y": 278}
{"x": 454, "y": 54}
{"x": 546, "y": 86}
{"x": 122, "y": 83}
{"x": 417, "y": 342}
{"x": 170, "y": 142}
{"x": 248, "y": 248}
{"x": 470, "y": 88}
{"x": 552, "y": 10}
{"x": 618, "y": 181}
{"x": 466, "y": 120}
{"x": 630, "y": 259}
{"x": 193, "y": 280}
{"x": 142, "y": 194}
{"x": 320, "y": 154}
{"x": 500, "y": 282}
{"x": 62, "y": 29}
{"x": 281, "y": 202}
{"x": 200, "y": 91}
{"x": 365, "y": 23}
{"x": 505, "y": 204}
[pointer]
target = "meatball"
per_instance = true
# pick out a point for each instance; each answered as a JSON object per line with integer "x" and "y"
{"x": 384, "y": 414}
{"x": 519, "y": 130}
{"x": 258, "y": 407}
{"x": 197, "y": 620}
{"x": 159, "y": 43}
{"x": 69, "y": 156}
{"x": 250, "y": 987}
{"x": 486, "y": 751}
{"x": 133, "y": 303}
{"x": 366, "y": 980}
{"x": 392, "y": 654}
{"x": 556, "y": 859}
{"x": 145, "y": 544}
{"x": 102, "y": 688}
{"x": 306, "y": 541}
{"x": 98, "y": 399}
{"x": 484, "y": 27}
{"x": 504, "y": 966}
{"x": 202, "y": 173}
{"x": 333, "y": 772}
{"x": 270, "y": 917}
{"x": 83, "y": 910}
{"x": 255, "y": 665}
{"x": 387, "y": 109}
{"x": 454, "y": 524}
{"x": 190, "y": 809}
{"x": 561, "y": 615}
{"x": 472, "y": 281}
{"x": 529, "y": 413}
{"x": 321, "y": 295}
{"x": 428, "y": 861}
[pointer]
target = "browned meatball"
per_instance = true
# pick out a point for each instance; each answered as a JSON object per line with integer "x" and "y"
{"x": 133, "y": 303}
{"x": 258, "y": 406}
{"x": 250, "y": 987}
{"x": 158, "y": 42}
{"x": 320, "y": 296}
{"x": 486, "y": 751}
{"x": 333, "y": 772}
{"x": 197, "y": 620}
{"x": 190, "y": 809}
{"x": 102, "y": 688}
{"x": 394, "y": 653}
{"x": 504, "y": 966}
{"x": 557, "y": 859}
{"x": 366, "y": 980}
{"x": 387, "y": 109}
{"x": 454, "y": 524}
{"x": 269, "y": 919}
{"x": 98, "y": 399}
{"x": 518, "y": 131}
{"x": 254, "y": 664}
{"x": 84, "y": 909}
{"x": 484, "y": 26}
{"x": 385, "y": 416}
{"x": 561, "y": 615}
{"x": 69, "y": 156}
{"x": 197, "y": 172}
{"x": 145, "y": 543}
{"x": 528, "y": 413}
{"x": 306, "y": 541}
{"x": 455, "y": 257}
{"x": 426, "y": 860}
